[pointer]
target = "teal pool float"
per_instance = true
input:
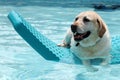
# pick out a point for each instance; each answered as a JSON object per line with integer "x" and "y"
{"x": 48, "y": 49}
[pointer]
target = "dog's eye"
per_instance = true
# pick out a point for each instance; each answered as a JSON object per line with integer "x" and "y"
{"x": 85, "y": 19}
{"x": 76, "y": 18}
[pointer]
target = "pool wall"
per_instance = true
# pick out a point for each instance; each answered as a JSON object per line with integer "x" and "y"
{"x": 62, "y": 3}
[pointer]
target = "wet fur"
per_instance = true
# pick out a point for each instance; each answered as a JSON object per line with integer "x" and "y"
{"x": 97, "y": 45}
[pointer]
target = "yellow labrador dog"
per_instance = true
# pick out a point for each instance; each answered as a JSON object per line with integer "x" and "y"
{"x": 89, "y": 38}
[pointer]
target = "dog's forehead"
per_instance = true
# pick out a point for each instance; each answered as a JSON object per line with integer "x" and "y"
{"x": 90, "y": 14}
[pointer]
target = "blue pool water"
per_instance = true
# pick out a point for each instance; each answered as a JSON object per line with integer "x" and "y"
{"x": 18, "y": 61}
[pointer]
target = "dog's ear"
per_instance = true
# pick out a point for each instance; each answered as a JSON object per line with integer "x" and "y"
{"x": 101, "y": 28}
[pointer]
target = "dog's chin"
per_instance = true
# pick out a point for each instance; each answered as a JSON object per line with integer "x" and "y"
{"x": 81, "y": 36}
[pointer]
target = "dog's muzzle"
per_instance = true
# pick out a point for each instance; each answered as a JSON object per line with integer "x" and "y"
{"x": 81, "y": 36}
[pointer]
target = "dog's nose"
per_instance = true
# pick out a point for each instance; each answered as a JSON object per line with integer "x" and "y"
{"x": 73, "y": 28}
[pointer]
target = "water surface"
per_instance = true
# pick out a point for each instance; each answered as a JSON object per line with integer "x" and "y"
{"x": 18, "y": 61}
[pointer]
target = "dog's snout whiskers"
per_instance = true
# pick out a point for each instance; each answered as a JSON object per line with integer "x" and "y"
{"x": 82, "y": 30}
{"x": 75, "y": 33}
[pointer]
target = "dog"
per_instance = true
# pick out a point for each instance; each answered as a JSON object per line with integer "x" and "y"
{"x": 89, "y": 38}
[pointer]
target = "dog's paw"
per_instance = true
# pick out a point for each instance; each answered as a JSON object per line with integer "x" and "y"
{"x": 61, "y": 45}
{"x": 103, "y": 64}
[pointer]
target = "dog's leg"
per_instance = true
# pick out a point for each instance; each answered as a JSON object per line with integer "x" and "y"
{"x": 67, "y": 40}
{"x": 88, "y": 65}
{"x": 106, "y": 61}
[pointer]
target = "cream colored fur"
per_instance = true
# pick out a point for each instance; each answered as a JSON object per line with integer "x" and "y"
{"x": 97, "y": 45}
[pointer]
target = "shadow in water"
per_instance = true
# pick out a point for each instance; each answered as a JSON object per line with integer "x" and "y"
{"x": 80, "y": 77}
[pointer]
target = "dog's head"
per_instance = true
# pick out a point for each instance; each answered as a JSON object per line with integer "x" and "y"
{"x": 87, "y": 23}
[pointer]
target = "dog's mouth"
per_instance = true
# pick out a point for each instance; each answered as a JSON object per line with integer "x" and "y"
{"x": 81, "y": 36}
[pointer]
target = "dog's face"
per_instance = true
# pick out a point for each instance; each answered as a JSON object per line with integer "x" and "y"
{"x": 87, "y": 23}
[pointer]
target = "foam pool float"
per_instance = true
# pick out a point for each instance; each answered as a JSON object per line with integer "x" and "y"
{"x": 48, "y": 49}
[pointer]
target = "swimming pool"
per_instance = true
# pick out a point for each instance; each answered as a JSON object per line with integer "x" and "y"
{"x": 18, "y": 61}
